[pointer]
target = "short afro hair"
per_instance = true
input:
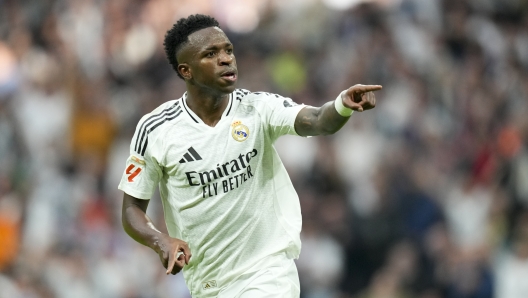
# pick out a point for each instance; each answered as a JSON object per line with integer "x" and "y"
{"x": 177, "y": 36}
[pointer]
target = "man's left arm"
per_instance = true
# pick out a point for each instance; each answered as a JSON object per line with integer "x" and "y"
{"x": 329, "y": 118}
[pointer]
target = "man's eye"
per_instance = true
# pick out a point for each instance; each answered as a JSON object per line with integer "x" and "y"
{"x": 210, "y": 54}
{"x": 229, "y": 51}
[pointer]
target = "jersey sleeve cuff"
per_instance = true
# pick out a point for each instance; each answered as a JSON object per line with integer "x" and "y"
{"x": 295, "y": 112}
{"x": 135, "y": 193}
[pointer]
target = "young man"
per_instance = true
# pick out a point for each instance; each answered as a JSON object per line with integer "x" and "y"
{"x": 231, "y": 212}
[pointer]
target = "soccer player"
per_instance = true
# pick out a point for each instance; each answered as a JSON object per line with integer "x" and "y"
{"x": 232, "y": 214}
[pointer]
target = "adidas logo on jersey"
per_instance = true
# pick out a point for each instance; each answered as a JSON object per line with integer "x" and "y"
{"x": 188, "y": 158}
{"x": 209, "y": 284}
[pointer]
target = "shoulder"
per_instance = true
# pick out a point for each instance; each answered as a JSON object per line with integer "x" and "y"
{"x": 259, "y": 97}
{"x": 266, "y": 103}
{"x": 164, "y": 111}
{"x": 151, "y": 124}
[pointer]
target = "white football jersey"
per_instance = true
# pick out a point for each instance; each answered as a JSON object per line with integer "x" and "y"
{"x": 224, "y": 189}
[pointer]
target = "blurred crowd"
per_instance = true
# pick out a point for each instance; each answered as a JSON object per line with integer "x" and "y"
{"x": 425, "y": 196}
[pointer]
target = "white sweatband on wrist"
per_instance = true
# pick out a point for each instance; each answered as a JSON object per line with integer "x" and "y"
{"x": 340, "y": 107}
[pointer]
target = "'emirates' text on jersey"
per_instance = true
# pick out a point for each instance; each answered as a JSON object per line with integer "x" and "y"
{"x": 224, "y": 189}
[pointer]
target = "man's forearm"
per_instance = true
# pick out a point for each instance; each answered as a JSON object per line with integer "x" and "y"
{"x": 137, "y": 224}
{"x": 325, "y": 120}
{"x": 329, "y": 118}
{"x": 174, "y": 253}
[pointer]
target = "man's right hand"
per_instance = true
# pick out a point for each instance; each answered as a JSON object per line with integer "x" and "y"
{"x": 173, "y": 253}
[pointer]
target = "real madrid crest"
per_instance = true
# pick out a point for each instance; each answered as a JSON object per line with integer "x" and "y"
{"x": 239, "y": 131}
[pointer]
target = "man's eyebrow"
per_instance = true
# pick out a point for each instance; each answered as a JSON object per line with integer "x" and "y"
{"x": 215, "y": 47}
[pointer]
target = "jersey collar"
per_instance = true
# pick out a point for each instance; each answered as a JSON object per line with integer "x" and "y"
{"x": 196, "y": 119}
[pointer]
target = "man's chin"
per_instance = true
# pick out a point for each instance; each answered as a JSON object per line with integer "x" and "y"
{"x": 229, "y": 89}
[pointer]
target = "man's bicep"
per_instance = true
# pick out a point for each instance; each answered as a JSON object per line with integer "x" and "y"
{"x": 306, "y": 120}
{"x": 129, "y": 201}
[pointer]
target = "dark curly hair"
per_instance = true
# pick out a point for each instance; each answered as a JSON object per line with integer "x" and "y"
{"x": 177, "y": 36}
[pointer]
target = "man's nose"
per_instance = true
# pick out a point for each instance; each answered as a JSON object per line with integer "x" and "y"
{"x": 225, "y": 58}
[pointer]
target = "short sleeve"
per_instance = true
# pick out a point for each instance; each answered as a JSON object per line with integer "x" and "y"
{"x": 142, "y": 171}
{"x": 280, "y": 115}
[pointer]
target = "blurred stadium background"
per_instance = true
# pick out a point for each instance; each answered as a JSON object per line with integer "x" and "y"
{"x": 426, "y": 196}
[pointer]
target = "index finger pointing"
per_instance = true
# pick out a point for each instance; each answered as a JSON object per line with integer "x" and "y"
{"x": 366, "y": 88}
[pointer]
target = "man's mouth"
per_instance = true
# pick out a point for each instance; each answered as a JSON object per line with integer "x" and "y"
{"x": 229, "y": 76}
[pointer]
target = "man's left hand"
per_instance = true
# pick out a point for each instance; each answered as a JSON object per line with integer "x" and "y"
{"x": 360, "y": 97}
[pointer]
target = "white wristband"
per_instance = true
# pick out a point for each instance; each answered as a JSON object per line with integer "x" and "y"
{"x": 340, "y": 107}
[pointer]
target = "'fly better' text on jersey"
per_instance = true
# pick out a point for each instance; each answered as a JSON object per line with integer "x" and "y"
{"x": 236, "y": 172}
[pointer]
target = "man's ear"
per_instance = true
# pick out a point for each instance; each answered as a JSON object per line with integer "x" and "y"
{"x": 185, "y": 71}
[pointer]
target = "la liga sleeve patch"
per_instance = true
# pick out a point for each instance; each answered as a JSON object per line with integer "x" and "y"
{"x": 131, "y": 172}
{"x": 134, "y": 168}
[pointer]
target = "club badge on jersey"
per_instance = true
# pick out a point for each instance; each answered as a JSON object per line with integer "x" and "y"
{"x": 134, "y": 168}
{"x": 239, "y": 131}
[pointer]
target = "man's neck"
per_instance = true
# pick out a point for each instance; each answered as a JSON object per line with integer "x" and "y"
{"x": 207, "y": 106}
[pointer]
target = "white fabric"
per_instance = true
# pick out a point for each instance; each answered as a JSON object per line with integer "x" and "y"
{"x": 236, "y": 205}
{"x": 511, "y": 274}
{"x": 278, "y": 279}
{"x": 340, "y": 107}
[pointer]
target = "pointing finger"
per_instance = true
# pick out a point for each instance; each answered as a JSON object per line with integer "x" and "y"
{"x": 365, "y": 88}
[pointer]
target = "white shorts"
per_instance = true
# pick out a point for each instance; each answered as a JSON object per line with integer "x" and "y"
{"x": 279, "y": 280}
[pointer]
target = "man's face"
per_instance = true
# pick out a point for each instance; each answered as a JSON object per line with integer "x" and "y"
{"x": 207, "y": 61}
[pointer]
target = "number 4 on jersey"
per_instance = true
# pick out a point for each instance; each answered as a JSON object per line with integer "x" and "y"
{"x": 132, "y": 175}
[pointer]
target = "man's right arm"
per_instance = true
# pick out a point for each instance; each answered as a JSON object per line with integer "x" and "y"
{"x": 174, "y": 253}
{"x": 325, "y": 120}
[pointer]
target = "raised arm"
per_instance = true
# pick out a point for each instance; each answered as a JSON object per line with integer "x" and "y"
{"x": 174, "y": 253}
{"x": 325, "y": 120}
